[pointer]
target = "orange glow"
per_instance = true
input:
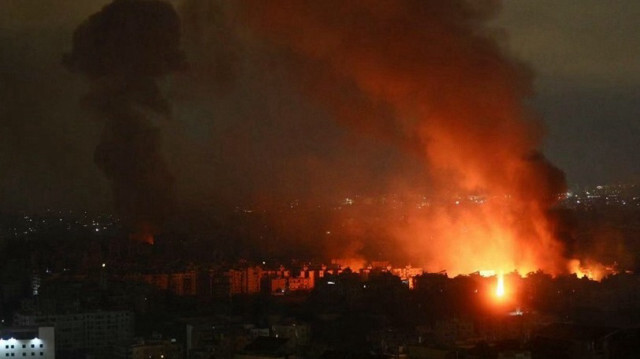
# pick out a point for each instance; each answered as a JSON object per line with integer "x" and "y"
{"x": 143, "y": 233}
{"x": 142, "y": 237}
{"x": 354, "y": 264}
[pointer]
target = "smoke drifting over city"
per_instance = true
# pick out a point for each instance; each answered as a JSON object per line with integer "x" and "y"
{"x": 122, "y": 50}
{"x": 415, "y": 105}
{"x": 428, "y": 77}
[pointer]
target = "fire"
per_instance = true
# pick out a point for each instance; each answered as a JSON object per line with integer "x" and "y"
{"x": 355, "y": 264}
{"x": 143, "y": 232}
{"x": 466, "y": 238}
{"x": 590, "y": 269}
{"x": 500, "y": 285}
{"x": 142, "y": 237}
{"x": 434, "y": 86}
{"x": 498, "y": 294}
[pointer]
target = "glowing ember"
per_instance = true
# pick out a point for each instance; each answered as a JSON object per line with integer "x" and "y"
{"x": 500, "y": 286}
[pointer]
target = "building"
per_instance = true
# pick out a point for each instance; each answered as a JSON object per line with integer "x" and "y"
{"x": 563, "y": 340}
{"x": 29, "y": 342}
{"x": 282, "y": 282}
{"x": 149, "y": 349}
{"x": 426, "y": 352}
{"x": 453, "y": 330}
{"x": 301, "y": 284}
{"x": 279, "y": 285}
{"x": 408, "y": 274}
{"x": 245, "y": 281}
{"x": 89, "y": 332}
{"x": 178, "y": 283}
{"x": 217, "y": 337}
{"x": 298, "y": 335}
{"x": 515, "y": 354}
{"x": 265, "y": 348}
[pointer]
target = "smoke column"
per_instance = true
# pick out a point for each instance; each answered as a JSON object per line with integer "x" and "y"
{"x": 123, "y": 49}
{"x": 429, "y": 77}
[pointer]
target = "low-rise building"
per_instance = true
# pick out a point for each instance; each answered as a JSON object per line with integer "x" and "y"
{"x": 33, "y": 342}
{"x": 149, "y": 349}
{"x": 88, "y": 332}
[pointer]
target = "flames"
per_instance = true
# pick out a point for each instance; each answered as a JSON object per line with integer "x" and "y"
{"x": 591, "y": 269}
{"x": 143, "y": 232}
{"x": 142, "y": 237}
{"x": 428, "y": 78}
{"x": 500, "y": 285}
{"x": 465, "y": 237}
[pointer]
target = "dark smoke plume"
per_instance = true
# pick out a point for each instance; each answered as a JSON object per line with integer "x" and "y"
{"x": 123, "y": 49}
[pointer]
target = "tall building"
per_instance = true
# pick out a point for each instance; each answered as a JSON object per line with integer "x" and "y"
{"x": 30, "y": 342}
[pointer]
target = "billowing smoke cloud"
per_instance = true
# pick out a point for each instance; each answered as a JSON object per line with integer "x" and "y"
{"x": 123, "y": 49}
{"x": 429, "y": 77}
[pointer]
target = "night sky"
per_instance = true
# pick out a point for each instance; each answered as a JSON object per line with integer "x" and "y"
{"x": 239, "y": 127}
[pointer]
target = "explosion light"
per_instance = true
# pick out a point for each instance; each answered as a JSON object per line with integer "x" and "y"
{"x": 500, "y": 286}
{"x": 487, "y": 273}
